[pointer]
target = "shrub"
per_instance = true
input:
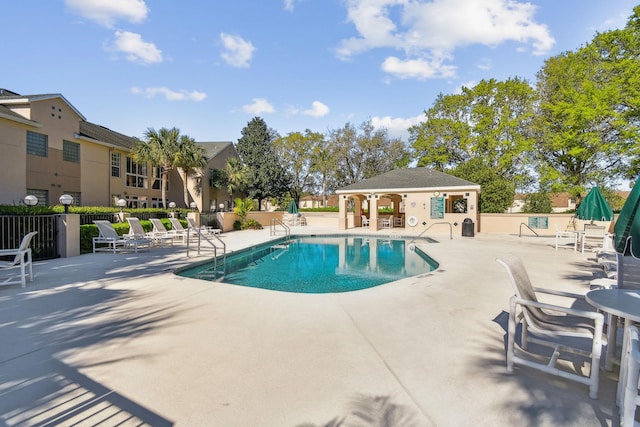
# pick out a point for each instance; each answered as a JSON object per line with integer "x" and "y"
{"x": 251, "y": 224}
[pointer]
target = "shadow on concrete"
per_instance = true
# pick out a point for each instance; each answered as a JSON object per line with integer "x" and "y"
{"x": 552, "y": 400}
{"x": 39, "y": 329}
{"x": 372, "y": 411}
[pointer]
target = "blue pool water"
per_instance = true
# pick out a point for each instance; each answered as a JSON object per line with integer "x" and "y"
{"x": 318, "y": 264}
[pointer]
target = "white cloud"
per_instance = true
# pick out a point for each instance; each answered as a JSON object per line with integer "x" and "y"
{"x": 288, "y": 5}
{"x": 259, "y": 106}
{"x": 170, "y": 95}
{"x": 397, "y": 127}
{"x": 136, "y": 49}
{"x": 236, "y": 51}
{"x": 107, "y": 12}
{"x": 431, "y": 31}
{"x": 417, "y": 68}
{"x": 318, "y": 109}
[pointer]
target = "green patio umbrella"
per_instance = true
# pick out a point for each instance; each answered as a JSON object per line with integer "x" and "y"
{"x": 594, "y": 207}
{"x": 627, "y": 228}
{"x": 293, "y": 209}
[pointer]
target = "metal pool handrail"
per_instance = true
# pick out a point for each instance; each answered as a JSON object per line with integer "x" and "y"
{"x": 435, "y": 223}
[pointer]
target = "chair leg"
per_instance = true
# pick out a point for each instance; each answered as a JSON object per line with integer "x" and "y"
{"x": 30, "y": 261}
{"x": 511, "y": 334}
{"x": 23, "y": 279}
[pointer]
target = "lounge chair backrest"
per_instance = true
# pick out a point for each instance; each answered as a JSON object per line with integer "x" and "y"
{"x": 176, "y": 224}
{"x": 192, "y": 222}
{"x": 106, "y": 230}
{"x": 135, "y": 228}
{"x": 523, "y": 288}
{"x": 158, "y": 226}
{"x": 24, "y": 244}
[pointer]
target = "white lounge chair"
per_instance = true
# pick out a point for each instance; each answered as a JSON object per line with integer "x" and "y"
{"x": 160, "y": 229}
{"x": 137, "y": 232}
{"x": 21, "y": 259}
{"x": 114, "y": 242}
{"x": 564, "y": 329}
{"x": 202, "y": 229}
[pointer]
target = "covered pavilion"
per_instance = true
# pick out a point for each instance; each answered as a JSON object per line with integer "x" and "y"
{"x": 421, "y": 198}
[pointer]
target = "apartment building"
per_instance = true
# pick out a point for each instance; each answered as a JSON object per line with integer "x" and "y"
{"x": 50, "y": 149}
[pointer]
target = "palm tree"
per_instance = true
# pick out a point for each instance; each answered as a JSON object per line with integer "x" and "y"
{"x": 160, "y": 148}
{"x": 191, "y": 157}
{"x": 236, "y": 175}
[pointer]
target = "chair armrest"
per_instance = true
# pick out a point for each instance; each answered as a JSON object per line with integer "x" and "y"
{"x": 6, "y": 252}
{"x": 559, "y": 293}
{"x": 594, "y": 315}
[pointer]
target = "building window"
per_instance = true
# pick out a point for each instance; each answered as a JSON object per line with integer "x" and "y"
{"x": 42, "y": 195}
{"x": 70, "y": 151}
{"x": 156, "y": 202}
{"x": 136, "y": 174}
{"x": 76, "y": 197}
{"x": 37, "y": 144}
{"x": 157, "y": 179}
{"x": 115, "y": 165}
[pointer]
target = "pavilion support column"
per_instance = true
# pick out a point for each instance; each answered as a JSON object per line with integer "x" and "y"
{"x": 342, "y": 212}
{"x": 358, "y": 212}
{"x": 373, "y": 212}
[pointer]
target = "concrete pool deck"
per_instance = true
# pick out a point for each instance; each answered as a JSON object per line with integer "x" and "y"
{"x": 118, "y": 339}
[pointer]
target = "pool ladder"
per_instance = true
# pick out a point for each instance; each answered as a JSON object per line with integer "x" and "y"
{"x": 273, "y": 228}
{"x": 278, "y": 250}
{"x": 212, "y": 273}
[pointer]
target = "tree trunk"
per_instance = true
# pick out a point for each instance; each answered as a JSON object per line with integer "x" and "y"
{"x": 185, "y": 187}
{"x": 163, "y": 184}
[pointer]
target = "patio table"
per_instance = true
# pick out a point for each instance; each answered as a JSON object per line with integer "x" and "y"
{"x": 624, "y": 303}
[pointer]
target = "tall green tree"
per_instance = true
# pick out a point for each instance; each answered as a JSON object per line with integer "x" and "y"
{"x": 159, "y": 148}
{"x": 364, "y": 152}
{"x": 497, "y": 191}
{"x": 295, "y": 151}
{"x": 191, "y": 159}
{"x": 267, "y": 177}
{"x": 490, "y": 121}
{"x": 323, "y": 163}
{"x": 587, "y": 127}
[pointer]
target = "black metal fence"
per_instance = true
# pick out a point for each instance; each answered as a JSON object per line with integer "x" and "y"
{"x": 44, "y": 244}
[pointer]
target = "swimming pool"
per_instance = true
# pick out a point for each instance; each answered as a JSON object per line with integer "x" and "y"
{"x": 318, "y": 264}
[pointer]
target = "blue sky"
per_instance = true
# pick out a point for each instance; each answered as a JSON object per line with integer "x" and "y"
{"x": 209, "y": 67}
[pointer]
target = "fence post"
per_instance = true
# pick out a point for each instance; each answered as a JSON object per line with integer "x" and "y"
{"x": 68, "y": 235}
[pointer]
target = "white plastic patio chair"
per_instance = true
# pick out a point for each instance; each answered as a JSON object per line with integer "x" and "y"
{"x": 568, "y": 331}
{"x": 114, "y": 242}
{"x": 365, "y": 222}
{"x": 567, "y": 234}
{"x": 202, "y": 229}
{"x": 161, "y": 230}
{"x": 629, "y": 377}
{"x": 21, "y": 259}
{"x": 137, "y": 232}
{"x": 627, "y": 277}
{"x": 592, "y": 238}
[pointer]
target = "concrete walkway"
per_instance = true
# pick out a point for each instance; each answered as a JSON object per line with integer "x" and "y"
{"x": 118, "y": 339}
